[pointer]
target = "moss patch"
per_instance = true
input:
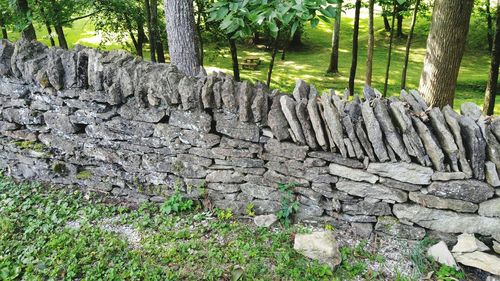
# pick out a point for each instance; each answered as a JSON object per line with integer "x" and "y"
{"x": 84, "y": 175}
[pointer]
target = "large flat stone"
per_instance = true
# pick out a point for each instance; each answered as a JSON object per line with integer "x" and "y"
{"x": 231, "y": 127}
{"x": 286, "y": 149}
{"x": 435, "y": 202}
{"x": 352, "y": 174}
{"x": 404, "y": 172}
{"x": 466, "y": 190}
{"x": 288, "y": 108}
{"x": 490, "y": 208}
{"x": 320, "y": 246}
{"x": 376, "y": 191}
{"x": 483, "y": 261}
{"x": 391, "y": 226}
{"x": 447, "y": 221}
{"x": 192, "y": 120}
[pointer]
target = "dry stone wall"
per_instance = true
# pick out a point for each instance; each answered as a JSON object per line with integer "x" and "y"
{"x": 118, "y": 125}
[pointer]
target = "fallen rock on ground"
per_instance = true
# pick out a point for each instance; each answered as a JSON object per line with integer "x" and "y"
{"x": 468, "y": 243}
{"x": 441, "y": 254}
{"x": 265, "y": 220}
{"x": 321, "y": 246}
{"x": 483, "y": 261}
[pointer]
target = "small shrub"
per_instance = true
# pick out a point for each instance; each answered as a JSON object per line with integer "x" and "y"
{"x": 224, "y": 215}
{"x": 249, "y": 210}
{"x": 289, "y": 206}
{"x": 176, "y": 204}
{"x": 448, "y": 273}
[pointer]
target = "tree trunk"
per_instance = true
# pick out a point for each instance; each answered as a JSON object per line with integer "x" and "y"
{"x": 141, "y": 38}
{"x": 29, "y": 32}
{"x": 399, "y": 18}
{"x": 408, "y": 44}
{"x": 271, "y": 64}
{"x": 371, "y": 43}
{"x": 256, "y": 38}
{"x": 334, "y": 57}
{"x": 490, "y": 26}
{"x": 4, "y": 29}
{"x": 61, "y": 37}
{"x": 183, "y": 41}
{"x": 234, "y": 57}
{"x": 297, "y": 38}
{"x": 49, "y": 31}
{"x": 445, "y": 48}
{"x": 152, "y": 36}
{"x": 154, "y": 20}
{"x": 387, "y": 25}
{"x": 355, "y": 33}
{"x": 388, "y": 67}
{"x": 491, "y": 87}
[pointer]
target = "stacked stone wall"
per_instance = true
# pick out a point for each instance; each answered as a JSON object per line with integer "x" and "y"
{"x": 137, "y": 130}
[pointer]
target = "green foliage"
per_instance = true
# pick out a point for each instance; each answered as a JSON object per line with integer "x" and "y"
{"x": 354, "y": 262}
{"x": 84, "y": 175}
{"x": 30, "y": 145}
{"x": 224, "y": 215}
{"x": 289, "y": 205}
{"x": 448, "y": 273}
{"x": 176, "y": 204}
{"x": 249, "y": 210}
{"x": 419, "y": 256}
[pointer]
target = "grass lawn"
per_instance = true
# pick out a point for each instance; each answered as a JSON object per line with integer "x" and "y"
{"x": 311, "y": 61}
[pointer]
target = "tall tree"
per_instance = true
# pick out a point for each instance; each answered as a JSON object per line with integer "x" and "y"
{"x": 160, "y": 55}
{"x": 491, "y": 87}
{"x": 28, "y": 31}
{"x": 445, "y": 48}
{"x": 389, "y": 50}
{"x": 371, "y": 43}
{"x": 354, "y": 63}
{"x": 334, "y": 57}
{"x": 183, "y": 41}
{"x": 151, "y": 32}
{"x": 489, "y": 21}
{"x": 408, "y": 44}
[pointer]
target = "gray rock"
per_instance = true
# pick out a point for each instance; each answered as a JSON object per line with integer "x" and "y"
{"x": 363, "y": 230}
{"x": 133, "y": 111}
{"x": 265, "y": 206}
{"x": 435, "y": 202}
{"x": 490, "y": 208}
{"x": 363, "y": 140}
{"x": 352, "y": 174}
{"x": 224, "y": 187}
{"x": 492, "y": 174}
{"x": 231, "y": 127}
{"x": 301, "y": 90}
{"x": 260, "y": 104}
{"x": 192, "y": 120}
{"x": 351, "y": 134}
{"x": 444, "y": 176}
{"x": 276, "y": 120}
{"x": 320, "y": 246}
{"x": 189, "y": 92}
{"x": 198, "y": 139}
{"x": 260, "y": 191}
{"x": 446, "y": 221}
{"x": 22, "y": 116}
{"x": 374, "y": 132}
{"x": 376, "y": 191}
{"x": 228, "y": 96}
{"x": 431, "y": 144}
{"x": 286, "y": 149}
{"x": 265, "y": 220}
{"x": 288, "y": 108}
{"x": 391, "y": 226}
{"x": 452, "y": 120}
{"x": 475, "y": 145}
{"x": 245, "y": 99}
{"x": 404, "y": 172}
{"x": 445, "y": 137}
{"x": 493, "y": 148}
{"x": 366, "y": 208}
{"x": 411, "y": 139}
{"x": 410, "y": 99}
{"x": 337, "y": 159}
{"x": 466, "y": 190}
{"x": 333, "y": 121}
{"x": 471, "y": 110}
{"x": 224, "y": 176}
{"x": 399, "y": 185}
{"x": 441, "y": 254}
{"x": 59, "y": 122}
{"x": 483, "y": 261}
{"x": 495, "y": 127}
{"x": 393, "y": 138}
{"x": 316, "y": 121}
{"x": 305, "y": 122}
{"x": 207, "y": 93}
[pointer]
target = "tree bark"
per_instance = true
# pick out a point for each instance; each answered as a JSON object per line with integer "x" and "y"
{"x": 445, "y": 48}
{"x": 297, "y": 38}
{"x": 49, "y": 31}
{"x": 234, "y": 58}
{"x": 408, "y": 44}
{"x": 491, "y": 87}
{"x": 61, "y": 37}
{"x": 141, "y": 38}
{"x": 154, "y": 20}
{"x": 355, "y": 34}
{"x": 334, "y": 57}
{"x": 400, "y": 19}
{"x": 387, "y": 25}
{"x": 4, "y": 28}
{"x": 152, "y": 36}
{"x": 29, "y": 32}
{"x": 271, "y": 64}
{"x": 389, "y": 55}
{"x": 183, "y": 41}
{"x": 371, "y": 44}
{"x": 490, "y": 26}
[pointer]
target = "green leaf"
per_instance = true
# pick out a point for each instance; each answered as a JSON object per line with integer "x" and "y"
{"x": 294, "y": 28}
{"x": 273, "y": 28}
{"x": 314, "y": 22}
